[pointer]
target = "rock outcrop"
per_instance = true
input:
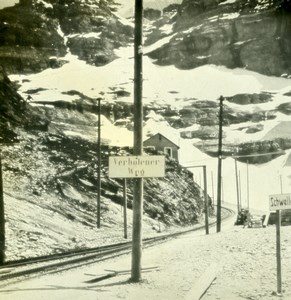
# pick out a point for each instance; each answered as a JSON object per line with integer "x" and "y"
{"x": 255, "y": 35}
{"x": 36, "y": 35}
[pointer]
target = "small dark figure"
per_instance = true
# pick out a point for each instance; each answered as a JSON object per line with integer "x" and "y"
{"x": 29, "y": 98}
{"x": 247, "y": 219}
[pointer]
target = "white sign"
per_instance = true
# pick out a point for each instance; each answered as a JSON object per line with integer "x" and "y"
{"x": 136, "y": 166}
{"x": 280, "y": 201}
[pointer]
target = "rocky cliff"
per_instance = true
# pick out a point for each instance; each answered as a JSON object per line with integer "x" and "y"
{"x": 49, "y": 165}
{"x": 36, "y": 35}
{"x": 255, "y": 35}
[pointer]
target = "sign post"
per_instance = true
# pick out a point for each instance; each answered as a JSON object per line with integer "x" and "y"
{"x": 279, "y": 202}
{"x": 137, "y": 168}
{"x": 278, "y": 251}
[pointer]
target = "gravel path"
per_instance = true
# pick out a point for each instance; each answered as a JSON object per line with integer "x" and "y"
{"x": 245, "y": 259}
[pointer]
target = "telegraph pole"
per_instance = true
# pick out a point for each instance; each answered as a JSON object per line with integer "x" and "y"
{"x": 206, "y": 200}
{"x": 237, "y": 187}
{"x": 2, "y": 217}
{"x": 99, "y": 166}
{"x": 138, "y": 146}
{"x": 248, "y": 186}
{"x": 218, "y": 224}
{"x": 125, "y": 207}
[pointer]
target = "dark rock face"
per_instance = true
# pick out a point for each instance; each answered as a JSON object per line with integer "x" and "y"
{"x": 245, "y": 99}
{"x": 152, "y": 14}
{"x": 34, "y": 35}
{"x": 28, "y": 38}
{"x": 16, "y": 111}
{"x": 94, "y": 31}
{"x": 285, "y": 108}
{"x": 245, "y": 34}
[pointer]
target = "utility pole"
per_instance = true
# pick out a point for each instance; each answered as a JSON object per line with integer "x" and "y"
{"x": 138, "y": 146}
{"x": 125, "y": 207}
{"x": 237, "y": 186}
{"x": 248, "y": 186}
{"x": 206, "y": 200}
{"x": 218, "y": 224}
{"x": 2, "y": 217}
{"x": 99, "y": 166}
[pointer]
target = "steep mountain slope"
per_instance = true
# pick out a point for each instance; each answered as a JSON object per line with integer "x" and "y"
{"x": 241, "y": 35}
{"x": 50, "y": 172}
{"x": 62, "y": 55}
{"x": 34, "y": 35}
{"x": 237, "y": 34}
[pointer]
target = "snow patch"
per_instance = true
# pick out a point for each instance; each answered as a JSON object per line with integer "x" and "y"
{"x": 45, "y": 4}
{"x": 227, "y": 2}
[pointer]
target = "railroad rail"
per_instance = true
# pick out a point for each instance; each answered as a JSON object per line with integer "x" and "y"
{"x": 31, "y": 267}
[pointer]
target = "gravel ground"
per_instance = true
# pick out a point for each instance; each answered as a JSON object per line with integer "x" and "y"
{"x": 245, "y": 260}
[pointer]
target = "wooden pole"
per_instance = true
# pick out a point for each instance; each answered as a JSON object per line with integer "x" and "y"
{"x": 205, "y": 200}
{"x": 237, "y": 186}
{"x": 248, "y": 186}
{"x": 219, "y": 168}
{"x": 138, "y": 146}
{"x": 212, "y": 185}
{"x": 278, "y": 251}
{"x": 2, "y": 217}
{"x": 125, "y": 207}
{"x": 99, "y": 166}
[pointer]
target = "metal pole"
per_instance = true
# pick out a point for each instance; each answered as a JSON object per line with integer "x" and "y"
{"x": 125, "y": 207}
{"x": 99, "y": 166}
{"x": 137, "y": 147}
{"x": 2, "y": 217}
{"x": 205, "y": 200}
{"x": 281, "y": 184}
{"x": 219, "y": 168}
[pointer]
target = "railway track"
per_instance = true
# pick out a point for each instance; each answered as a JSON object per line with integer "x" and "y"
{"x": 27, "y": 268}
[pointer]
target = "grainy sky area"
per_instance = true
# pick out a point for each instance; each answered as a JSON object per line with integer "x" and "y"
{"x": 4, "y": 3}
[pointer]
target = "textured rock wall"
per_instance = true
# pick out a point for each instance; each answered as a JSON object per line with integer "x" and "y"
{"x": 255, "y": 35}
{"x": 33, "y": 32}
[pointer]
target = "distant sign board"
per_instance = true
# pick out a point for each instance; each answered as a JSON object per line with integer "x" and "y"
{"x": 136, "y": 166}
{"x": 280, "y": 201}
